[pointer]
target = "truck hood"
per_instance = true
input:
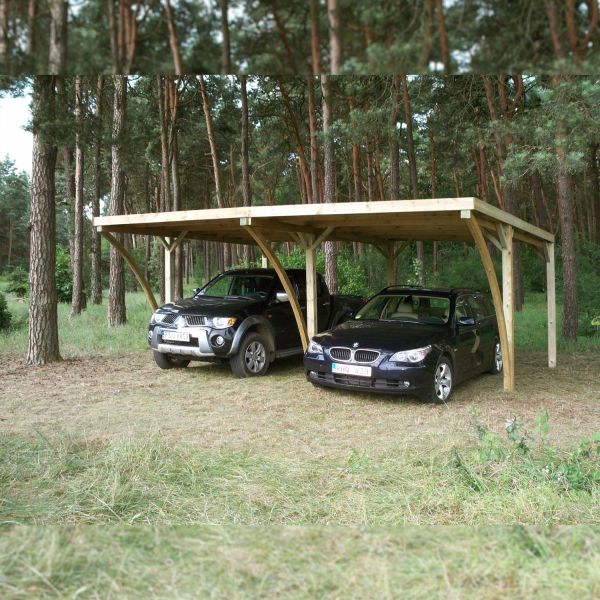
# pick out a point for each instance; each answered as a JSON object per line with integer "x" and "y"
{"x": 386, "y": 336}
{"x": 213, "y": 307}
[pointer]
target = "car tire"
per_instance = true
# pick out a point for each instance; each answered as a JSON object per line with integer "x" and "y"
{"x": 164, "y": 361}
{"x": 252, "y": 358}
{"x": 497, "y": 360}
{"x": 442, "y": 384}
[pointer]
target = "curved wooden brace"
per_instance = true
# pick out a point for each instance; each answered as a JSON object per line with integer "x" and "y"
{"x": 133, "y": 266}
{"x": 263, "y": 244}
{"x": 488, "y": 265}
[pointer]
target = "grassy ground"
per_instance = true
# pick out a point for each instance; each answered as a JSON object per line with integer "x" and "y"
{"x": 120, "y": 480}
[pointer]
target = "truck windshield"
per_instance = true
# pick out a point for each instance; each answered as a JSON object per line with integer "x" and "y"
{"x": 246, "y": 286}
{"x": 410, "y": 308}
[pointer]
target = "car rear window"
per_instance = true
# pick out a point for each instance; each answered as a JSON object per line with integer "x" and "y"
{"x": 409, "y": 308}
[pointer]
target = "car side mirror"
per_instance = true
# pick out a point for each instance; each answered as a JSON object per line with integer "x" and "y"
{"x": 282, "y": 297}
{"x": 466, "y": 322}
{"x": 349, "y": 314}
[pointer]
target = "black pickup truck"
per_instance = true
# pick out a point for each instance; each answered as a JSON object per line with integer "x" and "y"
{"x": 243, "y": 316}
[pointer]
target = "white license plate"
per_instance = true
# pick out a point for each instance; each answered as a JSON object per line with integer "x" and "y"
{"x": 351, "y": 370}
{"x": 176, "y": 336}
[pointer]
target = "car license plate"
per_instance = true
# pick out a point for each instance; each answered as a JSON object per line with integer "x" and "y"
{"x": 351, "y": 370}
{"x": 176, "y": 336}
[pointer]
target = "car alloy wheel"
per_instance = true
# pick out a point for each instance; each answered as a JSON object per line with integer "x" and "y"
{"x": 443, "y": 381}
{"x": 255, "y": 357}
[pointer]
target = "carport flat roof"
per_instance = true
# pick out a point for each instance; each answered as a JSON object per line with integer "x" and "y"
{"x": 372, "y": 222}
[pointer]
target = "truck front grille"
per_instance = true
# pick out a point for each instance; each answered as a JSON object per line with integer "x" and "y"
{"x": 195, "y": 320}
{"x": 169, "y": 319}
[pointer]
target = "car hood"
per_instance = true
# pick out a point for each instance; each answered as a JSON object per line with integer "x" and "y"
{"x": 213, "y": 307}
{"x": 383, "y": 335}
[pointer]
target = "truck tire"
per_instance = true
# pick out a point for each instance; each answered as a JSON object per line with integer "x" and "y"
{"x": 252, "y": 358}
{"x": 164, "y": 361}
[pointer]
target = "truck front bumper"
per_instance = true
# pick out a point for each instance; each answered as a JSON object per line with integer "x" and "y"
{"x": 203, "y": 343}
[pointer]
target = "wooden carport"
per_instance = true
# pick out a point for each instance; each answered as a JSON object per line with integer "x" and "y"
{"x": 386, "y": 225}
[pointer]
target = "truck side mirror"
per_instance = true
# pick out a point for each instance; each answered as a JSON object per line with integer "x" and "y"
{"x": 282, "y": 297}
{"x": 195, "y": 291}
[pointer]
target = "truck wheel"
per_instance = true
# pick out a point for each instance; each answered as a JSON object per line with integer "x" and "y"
{"x": 252, "y": 358}
{"x": 164, "y": 361}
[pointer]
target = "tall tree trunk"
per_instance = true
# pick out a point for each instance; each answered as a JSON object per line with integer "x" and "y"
{"x": 215, "y": 160}
{"x": 173, "y": 39}
{"x": 412, "y": 168}
{"x": 394, "y": 144}
{"x": 433, "y": 170}
{"x": 57, "y": 55}
{"x": 246, "y": 190}
{"x": 117, "y": 314}
{"x": 315, "y": 39}
{"x": 225, "y": 47}
{"x": 178, "y": 270}
{"x": 335, "y": 43}
{"x": 425, "y": 56}
{"x": 113, "y": 29}
{"x": 77, "y": 291}
{"x": 43, "y": 319}
{"x": 314, "y": 147}
{"x": 595, "y": 192}
{"x": 444, "y": 47}
{"x": 31, "y": 32}
{"x": 96, "y": 241}
{"x": 4, "y": 50}
{"x": 10, "y": 243}
{"x": 329, "y": 175}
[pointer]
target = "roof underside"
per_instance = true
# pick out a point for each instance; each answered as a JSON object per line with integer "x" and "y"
{"x": 371, "y": 222}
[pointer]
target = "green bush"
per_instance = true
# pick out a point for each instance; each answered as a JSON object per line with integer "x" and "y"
{"x": 5, "y": 315}
{"x": 18, "y": 282}
{"x": 64, "y": 275}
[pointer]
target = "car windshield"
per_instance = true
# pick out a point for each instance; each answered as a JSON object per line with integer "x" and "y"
{"x": 238, "y": 285}
{"x": 410, "y": 308}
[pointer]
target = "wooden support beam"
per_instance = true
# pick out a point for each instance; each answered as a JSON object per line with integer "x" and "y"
{"x": 263, "y": 244}
{"x": 312, "y": 317}
{"x": 488, "y": 265}
{"x": 169, "y": 243}
{"x": 551, "y": 299}
{"x": 508, "y": 287}
{"x": 130, "y": 260}
{"x": 168, "y": 272}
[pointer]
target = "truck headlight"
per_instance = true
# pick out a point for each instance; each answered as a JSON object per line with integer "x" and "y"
{"x": 411, "y": 356}
{"x": 157, "y": 318}
{"x": 314, "y": 348}
{"x": 223, "y": 322}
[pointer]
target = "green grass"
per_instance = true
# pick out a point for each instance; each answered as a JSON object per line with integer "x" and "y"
{"x": 140, "y": 519}
{"x": 149, "y": 481}
{"x": 212, "y": 561}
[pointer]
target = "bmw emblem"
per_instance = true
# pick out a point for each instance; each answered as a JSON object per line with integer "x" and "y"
{"x": 355, "y": 345}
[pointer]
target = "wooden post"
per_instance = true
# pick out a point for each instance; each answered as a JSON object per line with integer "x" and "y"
{"x": 263, "y": 244}
{"x": 551, "y": 298}
{"x": 312, "y": 324}
{"x": 139, "y": 275}
{"x": 264, "y": 262}
{"x": 488, "y": 265}
{"x": 505, "y": 234}
{"x": 168, "y": 272}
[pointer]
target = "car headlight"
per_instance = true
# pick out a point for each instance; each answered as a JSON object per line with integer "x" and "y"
{"x": 314, "y": 348}
{"x": 411, "y": 356}
{"x": 157, "y": 317}
{"x": 223, "y": 322}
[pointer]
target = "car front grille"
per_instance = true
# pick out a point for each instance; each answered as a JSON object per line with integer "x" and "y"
{"x": 340, "y": 353}
{"x": 356, "y": 356}
{"x": 195, "y": 320}
{"x": 169, "y": 319}
{"x": 365, "y": 356}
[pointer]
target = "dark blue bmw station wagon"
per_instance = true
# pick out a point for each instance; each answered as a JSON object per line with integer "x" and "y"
{"x": 410, "y": 341}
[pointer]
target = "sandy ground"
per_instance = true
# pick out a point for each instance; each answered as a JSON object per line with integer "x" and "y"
{"x": 282, "y": 414}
